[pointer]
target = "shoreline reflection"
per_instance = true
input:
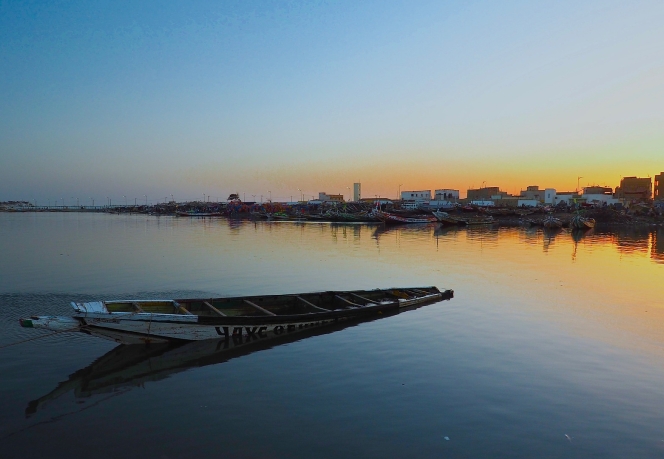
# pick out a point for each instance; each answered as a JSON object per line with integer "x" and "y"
{"x": 626, "y": 240}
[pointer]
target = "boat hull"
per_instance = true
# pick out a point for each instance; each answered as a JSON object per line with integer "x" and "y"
{"x": 579, "y": 222}
{"x": 445, "y": 218}
{"x": 198, "y": 214}
{"x": 146, "y": 327}
{"x": 589, "y": 223}
{"x": 552, "y": 223}
{"x": 386, "y": 217}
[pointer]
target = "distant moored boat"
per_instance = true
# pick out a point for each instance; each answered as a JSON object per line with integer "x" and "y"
{"x": 579, "y": 222}
{"x": 197, "y": 214}
{"x": 387, "y": 217}
{"x": 552, "y": 222}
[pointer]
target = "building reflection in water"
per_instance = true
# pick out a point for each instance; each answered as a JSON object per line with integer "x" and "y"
{"x": 657, "y": 247}
{"x": 626, "y": 240}
{"x": 632, "y": 239}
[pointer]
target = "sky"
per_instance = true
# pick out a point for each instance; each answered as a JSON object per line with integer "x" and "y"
{"x": 137, "y": 101}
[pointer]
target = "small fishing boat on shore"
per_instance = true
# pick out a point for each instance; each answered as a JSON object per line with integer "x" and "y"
{"x": 445, "y": 218}
{"x": 356, "y": 217}
{"x": 278, "y": 216}
{"x": 579, "y": 222}
{"x": 283, "y": 216}
{"x": 387, "y": 217}
{"x": 197, "y": 214}
{"x": 500, "y": 212}
{"x": 524, "y": 212}
{"x": 155, "y": 321}
{"x": 552, "y": 222}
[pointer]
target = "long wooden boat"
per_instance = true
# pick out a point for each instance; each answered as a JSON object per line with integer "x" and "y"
{"x": 140, "y": 321}
{"x": 524, "y": 212}
{"x": 356, "y": 217}
{"x": 445, "y": 218}
{"x": 278, "y": 216}
{"x": 448, "y": 219}
{"x": 321, "y": 217}
{"x": 283, "y": 216}
{"x": 501, "y": 211}
{"x": 387, "y": 217}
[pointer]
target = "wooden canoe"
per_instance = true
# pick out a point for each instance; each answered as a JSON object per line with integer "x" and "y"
{"x": 387, "y": 217}
{"x": 141, "y": 321}
{"x": 198, "y": 214}
{"x": 551, "y": 222}
{"x": 445, "y": 218}
{"x": 579, "y": 222}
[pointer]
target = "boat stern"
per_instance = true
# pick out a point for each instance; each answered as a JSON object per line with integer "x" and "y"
{"x": 90, "y": 307}
{"x": 54, "y": 323}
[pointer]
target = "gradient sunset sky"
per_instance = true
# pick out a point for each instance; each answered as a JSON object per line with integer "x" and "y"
{"x": 148, "y": 99}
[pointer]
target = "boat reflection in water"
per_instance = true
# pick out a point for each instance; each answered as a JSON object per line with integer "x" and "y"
{"x": 129, "y": 366}
{"x": 578, "y": 234}
{"x": 413, "y": 228}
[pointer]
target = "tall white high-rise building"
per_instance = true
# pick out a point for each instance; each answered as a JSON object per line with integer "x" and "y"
{"x": 357, "y": 191}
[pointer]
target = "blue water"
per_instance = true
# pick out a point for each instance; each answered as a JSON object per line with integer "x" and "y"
{"x": 546, "y": 349}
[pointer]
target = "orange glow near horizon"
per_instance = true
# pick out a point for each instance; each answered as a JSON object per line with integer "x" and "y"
{"x": 384, "y": 179}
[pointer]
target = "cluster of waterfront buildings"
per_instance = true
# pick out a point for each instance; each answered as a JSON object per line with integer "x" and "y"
{"x": 631, "y": 190}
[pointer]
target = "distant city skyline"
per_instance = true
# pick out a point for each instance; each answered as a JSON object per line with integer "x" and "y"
{"x": 305, "y": 195}
{"x": 144, "y": 101}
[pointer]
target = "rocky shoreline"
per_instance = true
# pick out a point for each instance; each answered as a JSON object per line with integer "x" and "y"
{"x": 639, "y": 215}
{"x": 604, "y": 217}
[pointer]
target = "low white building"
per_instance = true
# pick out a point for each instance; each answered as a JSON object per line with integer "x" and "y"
{"x": 322, "y": 196}
{"x": 482, "y": 203}
{"x": 527, "y": 203}
{"x": 568, "y": 197}
{"x": 357, "y": 191}
{"x": 549, "y": 196}
{"x": 600, "y": 199}
{"x": 377, "y": 200}
{"x": 446, "y": 194}
{"x": 420, "y": 195}
{"x": 437, "y": 204}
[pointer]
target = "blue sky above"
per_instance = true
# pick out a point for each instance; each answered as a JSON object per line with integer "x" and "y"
{"x": 185, "y": 98}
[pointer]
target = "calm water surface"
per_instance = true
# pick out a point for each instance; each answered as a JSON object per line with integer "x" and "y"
{"x": 552, "y": 347}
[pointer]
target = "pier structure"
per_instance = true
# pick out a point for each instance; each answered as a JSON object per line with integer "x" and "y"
{"x": 33, "y": 208}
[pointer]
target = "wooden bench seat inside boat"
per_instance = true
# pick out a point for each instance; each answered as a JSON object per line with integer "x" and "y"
{"x": 269, "y": 305}
{"x": 152, "y": 307}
